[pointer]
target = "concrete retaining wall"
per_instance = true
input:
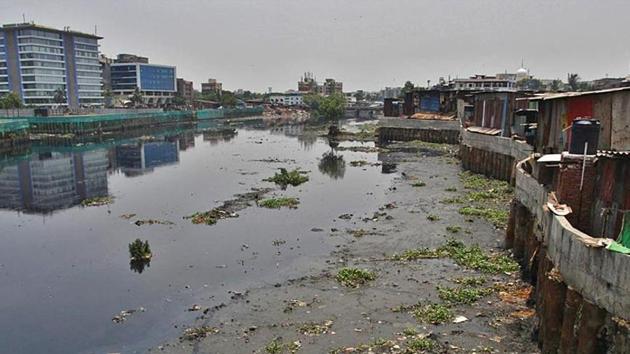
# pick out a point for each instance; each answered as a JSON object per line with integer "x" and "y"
{"x": 582, "y": 289}
{"x": 493, "y": 156}
{"x": 433, "y": 131}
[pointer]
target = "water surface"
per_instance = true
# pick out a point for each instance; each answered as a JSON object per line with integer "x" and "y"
{"x": 64, "y": 268}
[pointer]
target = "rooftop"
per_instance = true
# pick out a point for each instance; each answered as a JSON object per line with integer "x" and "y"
{"x": 49, "y": 29}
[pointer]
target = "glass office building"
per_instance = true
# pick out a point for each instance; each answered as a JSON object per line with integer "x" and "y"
{"x": 157, "y": 83}
{"x": 38, "y": 62}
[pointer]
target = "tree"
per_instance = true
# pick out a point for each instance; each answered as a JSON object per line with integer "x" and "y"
{"x": 179, "y": 101}
{"x": 60, "y": 96}
{"x": 108, "y": 95}
{"x": 332, "y": 107}
{"x": 136, "y": 98}
{"x": 312, "y": 100}
{"x": 573, "y": 80}
{"x": 407, "y": 88}
{"x": 556, "y": 85}
{"x": 11, "y": 101}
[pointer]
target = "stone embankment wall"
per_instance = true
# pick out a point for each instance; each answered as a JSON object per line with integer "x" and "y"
{"x": 492, "y": 156}
{"x": 581, "y": 288}
{"x": 432, "y": 131}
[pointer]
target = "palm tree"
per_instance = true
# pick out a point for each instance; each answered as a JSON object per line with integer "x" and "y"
{"x": 573, "y": 80}
{"x": 60, "y": 96}
{"x": 136, "y": 98}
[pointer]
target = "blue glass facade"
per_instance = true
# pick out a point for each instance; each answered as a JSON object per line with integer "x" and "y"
{"x": 157, "y": 78}
{"x": 124, "y": 77}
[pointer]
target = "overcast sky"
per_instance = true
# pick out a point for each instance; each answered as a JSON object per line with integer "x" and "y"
{"x": 366, "y": 44}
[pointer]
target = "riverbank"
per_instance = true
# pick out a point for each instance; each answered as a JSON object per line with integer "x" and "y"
{"x": 423, "y": 296}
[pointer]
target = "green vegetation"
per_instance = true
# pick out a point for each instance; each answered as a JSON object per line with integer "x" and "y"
{"x": 315, "y": 328}
{"x": 466, "y": 256}
{"x": 433, "y": 313}
{"x": 451, "y": 189}
{"x": 97, "y": 201}
{"x": 487, "y": 198}
{"x": 210, "y": 217}
{"x": 277, "y": 203}
{"x": 497, "y": 217}
{"x": 285, "y": 178}
{"x": 274, "y": 347}
{"x": 11, "y": 100}
{"x": 418, "y": 184}
{"x": 463, "y": 294}
{"x": 453, "y": 229}
{"x": 354, "y": 277}
{"x": 410, "y": 331}
{"x": 470, "y": 281}
{"x": 433, "y": 217}
{"x": 473, "y": 257}
{"x": 454, "y": 200}
{"x": 420, "y": 253}
{"x": 195, "y": 333}
{"x": 139, "y": 250}
{"x": 330, "y": 108}
{"x": 420, "y": 344}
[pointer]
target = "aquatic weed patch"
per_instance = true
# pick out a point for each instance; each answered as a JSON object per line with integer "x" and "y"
{"x": 453, "y": 229}
{"x": 210, "y": 217}
{"x": 139, "y": 250}
{"x": 475, "y": 258}
{"x": 418, "y": 184}
{"x": 463, "y": 294}
{"x": 433, "y": 313}
{"x": 487, "y": 198}
{"x": 315, "y": 328}
{"x": 354, "y": 277}
{"x": 467, "y": 256}
{"x": 97, "y": 201}
{"x": 285, "y": 178}
{"x": 420, "y": 253}
{"x": 196, "y": 333}
{"x": 277, "y": 203}
{"x": 497, "y": 217}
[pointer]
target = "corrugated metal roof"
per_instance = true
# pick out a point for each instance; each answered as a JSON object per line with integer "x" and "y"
{"x": 611, "y": 153}
{"x": 553, "y": 96}
{"x": 486, "y": 131}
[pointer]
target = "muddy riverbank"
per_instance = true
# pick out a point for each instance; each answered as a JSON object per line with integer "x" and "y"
{"x": 426, "y": 287}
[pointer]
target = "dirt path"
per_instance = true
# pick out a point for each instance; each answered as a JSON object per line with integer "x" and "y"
{"x": 402, "y": 309}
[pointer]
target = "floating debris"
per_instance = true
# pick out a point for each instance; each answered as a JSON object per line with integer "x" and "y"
{"x": 122, "y": 316}
{"x": 97, "y": 201}
{"x": 153, "y": 222}
{"x": 195, "y": 333}
{"x": 277, "y": 203}
{"x": 315, "y": 328}
{"x": 127, "y": 216}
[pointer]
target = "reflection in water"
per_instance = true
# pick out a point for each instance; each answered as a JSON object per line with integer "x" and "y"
{"x": 140, "y": 158}
{"x": 388, "y": 168}
{"x": 219, "y": 136}
{"x": 138, "y": 265}
{"x": 331, "y": 163}
{"x": 54, "y": 180}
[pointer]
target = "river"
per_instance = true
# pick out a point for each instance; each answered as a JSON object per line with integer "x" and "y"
{"x": 65, "y": 269}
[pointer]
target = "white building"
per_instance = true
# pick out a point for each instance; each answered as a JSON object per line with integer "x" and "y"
{"x": 290, "y": 99}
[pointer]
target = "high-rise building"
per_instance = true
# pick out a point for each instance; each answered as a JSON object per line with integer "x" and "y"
{"x": 38, "y": 62}
{"x": 156, "y": 83}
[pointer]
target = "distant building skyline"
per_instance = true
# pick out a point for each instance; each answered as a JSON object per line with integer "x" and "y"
{"x": 364, "y": 44}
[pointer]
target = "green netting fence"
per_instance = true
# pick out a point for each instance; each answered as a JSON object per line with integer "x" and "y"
{"x": 13, "y": 126}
